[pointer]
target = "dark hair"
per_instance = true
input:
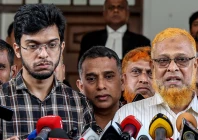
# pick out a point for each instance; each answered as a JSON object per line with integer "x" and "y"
{"x": 9, "y": 49}
{"x": 193, "y": 17}
{"x": 98, "y": 51}
{"x": 10, "y": 29}
{"x": 31, "y": 18}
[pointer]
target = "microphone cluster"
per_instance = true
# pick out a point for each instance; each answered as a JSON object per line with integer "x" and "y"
{"x": 160, "y": 128}
{"x": 129, "y": 129}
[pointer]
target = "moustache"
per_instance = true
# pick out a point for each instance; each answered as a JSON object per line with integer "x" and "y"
{"x": 43, "y": 62}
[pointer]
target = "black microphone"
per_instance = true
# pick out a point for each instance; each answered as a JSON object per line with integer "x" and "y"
{"x": 6, "y": 113}
{"x": 43, "y": 135}
{"x": 57, "y": 134}
{"x": 187, "y": 126}
{"x": 143, "y": 134}
{"x": 73, "y": 133}
{"x": 189, "y": 132}
{"x": 160, "y": 127}
{"x": 112, "y": 131}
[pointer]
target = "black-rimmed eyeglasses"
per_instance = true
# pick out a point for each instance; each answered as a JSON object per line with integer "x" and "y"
{"x": 180, "y": 61}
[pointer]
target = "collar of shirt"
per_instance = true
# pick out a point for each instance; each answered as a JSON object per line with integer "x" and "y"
{"x": 157, "y": 99}
{"x": 20, "y": 85}
{"x": 193, "y": 104}
{"x": 122, "y": 29}
{"x": 98, "y": 128}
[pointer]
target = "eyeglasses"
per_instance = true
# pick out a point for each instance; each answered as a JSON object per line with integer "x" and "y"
{"x": 180, "y": 61}
{"x": 137, "y": 72}
{"x": 36, "y": 48}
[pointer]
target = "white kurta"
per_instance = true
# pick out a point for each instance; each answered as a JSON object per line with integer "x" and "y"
{"x": 145, "y": 110}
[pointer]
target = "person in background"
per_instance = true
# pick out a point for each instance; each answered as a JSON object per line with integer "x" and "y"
{"x": 36, "y": 92}
{"x": 174, "y": 66}
{"x": 7, "y": 67}
{"x": 116, "y": 35}
{"x": 100, "y": 80}
{"x": 11, "y": 40}
{"x": 193, "y": 25}
{"x": 137, "y": 75}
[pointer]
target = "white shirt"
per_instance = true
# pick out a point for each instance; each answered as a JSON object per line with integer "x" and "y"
{"x": 114, "y": 40}
{"x": 145, "y": 110}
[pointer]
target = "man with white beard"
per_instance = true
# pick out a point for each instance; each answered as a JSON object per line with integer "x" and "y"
{"x": 174, "y": 66}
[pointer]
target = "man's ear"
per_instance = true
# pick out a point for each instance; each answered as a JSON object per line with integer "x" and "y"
{"x": 62, "y": 47}
{"x": 79, "y": 84}
{"x": 17, "y": 50}
{"x": 123, "y": 81}
{"x": 8, "y": 40}
{"x": 13, "y": 71}
{"x": 151, "y": 65}
{"x": 124, "y": 78}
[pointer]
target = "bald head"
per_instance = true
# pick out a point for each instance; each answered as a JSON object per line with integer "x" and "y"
{"x": 116, "y": 13}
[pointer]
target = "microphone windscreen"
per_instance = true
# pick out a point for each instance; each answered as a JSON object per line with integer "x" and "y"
{"x": 50, "y": 121}
{"x": 112, "y": 131}
{"x": 131, "y": 120}
{"x": 58, "y": 133}
{"x": 32, "y": 135}
{"x": 189, "y": 117}
{"x": 160, "y": 121}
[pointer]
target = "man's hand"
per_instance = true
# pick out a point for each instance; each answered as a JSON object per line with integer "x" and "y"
{"x": 13, "y": 138}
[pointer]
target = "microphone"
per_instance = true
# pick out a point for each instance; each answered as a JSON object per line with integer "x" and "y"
{"x": 89, "y": 134}
{"x": 32, "y": 135}
{"x": 131, "y": 127}
{"x": 112, "y": 131}
{"x": 6, "y": 113}
{"x": 43, "y": 134}
{"x": 160, "y": 127}
{"x": 58, "y": 134}
{"x": 73, "y": 133}
{"x": 186, "y": 124}
{"x": 46, "y": 124}
{"x": 143, "y": 134}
